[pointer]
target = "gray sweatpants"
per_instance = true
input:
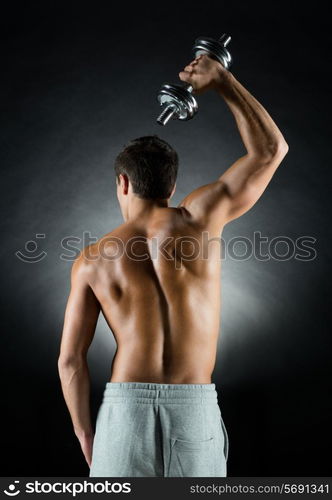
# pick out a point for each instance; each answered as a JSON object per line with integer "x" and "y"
{"x": 159, "y": 430}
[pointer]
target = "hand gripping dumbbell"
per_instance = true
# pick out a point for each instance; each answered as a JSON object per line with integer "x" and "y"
{"x": 177, "y": 101}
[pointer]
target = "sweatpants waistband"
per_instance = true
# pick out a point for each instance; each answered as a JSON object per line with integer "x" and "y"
{"x": 148, "y": 392}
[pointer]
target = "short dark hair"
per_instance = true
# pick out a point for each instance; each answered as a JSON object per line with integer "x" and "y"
{"x": 151, "y": 165}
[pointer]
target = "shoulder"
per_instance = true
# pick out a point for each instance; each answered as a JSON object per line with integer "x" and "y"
{"x": 92, "y": 255}
{"x": 82, "y": 265}
{"x": 206, "y": 204}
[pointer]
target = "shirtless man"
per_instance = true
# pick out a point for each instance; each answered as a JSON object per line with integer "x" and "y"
{"x": 156, "y": 279}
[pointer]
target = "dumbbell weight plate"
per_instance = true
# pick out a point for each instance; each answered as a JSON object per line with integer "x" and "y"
{"x": 179, "y": 97}
{"x": 213, "y": 48}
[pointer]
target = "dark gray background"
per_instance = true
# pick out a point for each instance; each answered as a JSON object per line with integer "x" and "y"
{"x": 80, "y": 80}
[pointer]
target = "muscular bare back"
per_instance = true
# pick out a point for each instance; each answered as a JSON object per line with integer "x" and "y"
{"x": 157, "y": 280}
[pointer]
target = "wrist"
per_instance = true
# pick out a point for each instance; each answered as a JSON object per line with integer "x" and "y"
{"x": 84, "y": 433}
{"x": 223, "y": 79}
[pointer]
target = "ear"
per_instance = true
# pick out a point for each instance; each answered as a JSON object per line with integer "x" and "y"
{"x": 124, "y": 183}
{"x": 173, "y": 191}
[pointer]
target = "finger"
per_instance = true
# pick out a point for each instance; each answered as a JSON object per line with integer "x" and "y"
{"x": 189, "y": 68}
{"x": 185, "y": 76}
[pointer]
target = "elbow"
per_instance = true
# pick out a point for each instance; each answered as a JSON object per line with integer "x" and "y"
{"x": 281, "y": 149}
{"x": 276, "y": 150}
{"x": 69, "y": 362}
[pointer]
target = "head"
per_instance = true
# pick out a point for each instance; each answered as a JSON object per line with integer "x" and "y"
{"x": 145, "y": 169}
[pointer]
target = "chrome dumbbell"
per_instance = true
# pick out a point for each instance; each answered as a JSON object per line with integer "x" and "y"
{"x": 176, "y": 100}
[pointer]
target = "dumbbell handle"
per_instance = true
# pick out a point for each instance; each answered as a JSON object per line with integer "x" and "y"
{"x": 225, "y": 39}
{"x": 166, "y": 114}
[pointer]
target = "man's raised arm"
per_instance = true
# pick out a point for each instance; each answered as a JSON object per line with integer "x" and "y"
{"x": 79, "y": 327}
{"x": 242, "y": 184}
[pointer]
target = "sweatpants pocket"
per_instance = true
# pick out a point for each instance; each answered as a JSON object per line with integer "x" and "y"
{"x": 191, "y": 458}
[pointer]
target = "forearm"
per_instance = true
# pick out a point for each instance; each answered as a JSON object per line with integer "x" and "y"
{"x": 75, "y": 383}
{"x": 259, "y": 133}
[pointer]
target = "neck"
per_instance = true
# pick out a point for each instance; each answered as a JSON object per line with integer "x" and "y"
{"x": 138, "y": 207}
